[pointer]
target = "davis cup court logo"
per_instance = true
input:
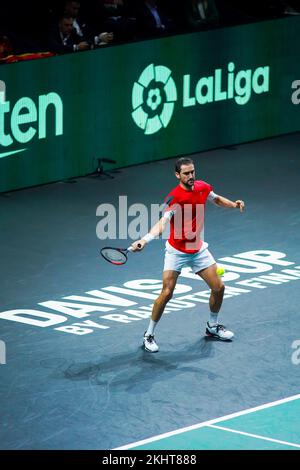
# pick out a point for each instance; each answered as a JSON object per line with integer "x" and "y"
{"x": 153, "y": 98}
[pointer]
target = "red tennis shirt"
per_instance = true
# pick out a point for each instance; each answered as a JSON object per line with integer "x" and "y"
{"x": 186, "y": 212}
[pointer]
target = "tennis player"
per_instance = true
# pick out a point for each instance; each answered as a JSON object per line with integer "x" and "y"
{"x": 185, "y": 206}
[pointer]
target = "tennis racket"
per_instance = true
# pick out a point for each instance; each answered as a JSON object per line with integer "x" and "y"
{"x": 116, "y": 256}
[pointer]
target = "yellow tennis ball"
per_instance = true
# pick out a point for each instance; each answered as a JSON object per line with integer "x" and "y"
{"x": 220, "y": 271}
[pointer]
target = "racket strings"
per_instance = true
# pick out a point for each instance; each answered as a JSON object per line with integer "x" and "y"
{"x": 113, "y": 255}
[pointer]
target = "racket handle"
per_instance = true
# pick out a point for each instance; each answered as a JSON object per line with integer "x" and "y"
{"x": 130, "y": 247}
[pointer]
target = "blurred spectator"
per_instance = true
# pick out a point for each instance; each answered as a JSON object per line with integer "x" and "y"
{"x": 5, "y": 47}
{"x": 81, "y": 23}
{"x": 82, "y": 26}
{"x": 294, "y": 5}
{"x": 200, "y": 14}
{"x": 117, "y": 16}
{"x": 291, "y": 7}
{"x": 63, "y": 38}
{"x": 152, "y": 18}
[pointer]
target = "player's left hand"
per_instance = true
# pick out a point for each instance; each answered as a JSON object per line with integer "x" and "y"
{"x": 240, "y": 205}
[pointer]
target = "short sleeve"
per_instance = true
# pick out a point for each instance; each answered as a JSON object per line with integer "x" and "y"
{"x": 170, "y": 206}
{"x": 212, "y": 196}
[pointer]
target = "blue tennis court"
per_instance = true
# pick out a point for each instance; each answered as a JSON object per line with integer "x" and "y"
{"x": 75, "y": 375}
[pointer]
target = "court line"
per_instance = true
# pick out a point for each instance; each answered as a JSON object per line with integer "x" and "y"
{"x": 254, "y": 435}
{"x": 209, "y": 422}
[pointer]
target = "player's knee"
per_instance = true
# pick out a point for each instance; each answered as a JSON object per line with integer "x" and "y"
{"x": 167, "y": 293}
{"x": 219, "y": 289}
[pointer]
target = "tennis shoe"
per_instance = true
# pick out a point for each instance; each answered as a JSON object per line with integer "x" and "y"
{"x": 150, "y": 344}
{"x": 219, "y": 331}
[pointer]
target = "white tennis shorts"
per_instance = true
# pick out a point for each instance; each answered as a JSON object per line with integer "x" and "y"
{"x": 175, "y": 260}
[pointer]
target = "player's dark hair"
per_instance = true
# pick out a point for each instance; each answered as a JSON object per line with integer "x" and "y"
{"x": 182, "y": 161}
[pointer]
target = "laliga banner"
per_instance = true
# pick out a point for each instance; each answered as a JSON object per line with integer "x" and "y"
{"x": 148, "y": 100}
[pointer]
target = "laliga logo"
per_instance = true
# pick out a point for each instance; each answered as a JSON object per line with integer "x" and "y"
{"x": 155, "y": 93}
{"x": 153, "y": 97}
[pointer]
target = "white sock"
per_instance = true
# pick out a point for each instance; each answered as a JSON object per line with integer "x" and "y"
{"x": 213, "y": 319}
{"x": 151, "y": 328}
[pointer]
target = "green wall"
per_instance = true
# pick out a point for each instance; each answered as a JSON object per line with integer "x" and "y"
{"x": 58, "y": 114}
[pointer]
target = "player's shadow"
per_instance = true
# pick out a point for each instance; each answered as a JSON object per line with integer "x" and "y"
{"x": 141, "y": 369}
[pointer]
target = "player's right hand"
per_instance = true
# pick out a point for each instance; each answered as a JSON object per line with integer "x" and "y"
{"x": 240, "y": 205}
{"x": 138, "y": 245}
